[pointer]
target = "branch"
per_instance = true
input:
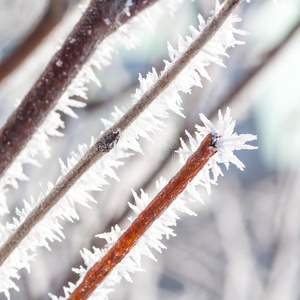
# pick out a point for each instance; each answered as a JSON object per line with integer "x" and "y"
{"x": 152, "y": 212}
{"x": 119, "y": 261}
{"x": 61, "y": 70}
{"x": 226, "y": 101}
{"x": 53, "y": 15}
{"x": 107, "y": 141}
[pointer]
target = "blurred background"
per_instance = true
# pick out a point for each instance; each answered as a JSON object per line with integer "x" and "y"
{"x": 245, "y": 241}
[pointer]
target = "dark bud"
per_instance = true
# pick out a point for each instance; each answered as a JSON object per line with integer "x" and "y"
{"x": 109, "y": 140}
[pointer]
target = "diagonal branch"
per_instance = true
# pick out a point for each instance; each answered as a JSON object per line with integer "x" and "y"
{"x": 61, "y": 70}
{"x": 106, "y": 142}
{"x": 152, "y": 212}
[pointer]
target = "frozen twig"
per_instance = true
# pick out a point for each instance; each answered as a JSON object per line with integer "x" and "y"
{"x": 105, "y": 142}
{"x": 226, "y": 101}
{"x": 152, "y": 212}
{"x": 61, "y": 70}
{"x": 123, "y": 253}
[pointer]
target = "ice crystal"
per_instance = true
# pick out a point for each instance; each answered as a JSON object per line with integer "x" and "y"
{"x": 150, "y": 121}
{"x": 53, "y": 123}
{"x": 151, "y": 240}
{"x": 226, "y": 142}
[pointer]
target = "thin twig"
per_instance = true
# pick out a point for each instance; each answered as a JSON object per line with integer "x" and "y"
{"x": 226, "y": 101}
{"x": 152, "y": 212}
{"x": 93, "y": 154}
{"x": 98, "y": 103}
{"x": 61, "y": 70}
{"x": 53, "y": 15}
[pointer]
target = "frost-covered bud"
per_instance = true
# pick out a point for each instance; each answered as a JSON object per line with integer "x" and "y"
{"x": 109, "y": 141}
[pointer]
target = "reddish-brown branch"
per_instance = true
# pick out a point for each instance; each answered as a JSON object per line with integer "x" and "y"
{"x": 53, "y": 15}
{"x": 255, "y": 70}
{"x": 226, "y": 101}
{"x": 105, "y": 142}
{"x": 156, "y": 207}
{"x": 61, "y": 70}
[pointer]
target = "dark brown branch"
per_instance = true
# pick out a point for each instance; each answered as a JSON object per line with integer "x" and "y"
{"x": 95, "y": 152}
{"x": 61, "y": 70}
{"x": 53, "y": 15}
{"x": 145, "y": 219}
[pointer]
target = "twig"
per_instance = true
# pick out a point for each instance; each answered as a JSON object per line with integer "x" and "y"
{"x": 225, "y": 102}
{"x": 153, "y": 211}
{"x": 105, "y": 141}
{"x": 75, "y": 52}
{"x": 53, "y": 15}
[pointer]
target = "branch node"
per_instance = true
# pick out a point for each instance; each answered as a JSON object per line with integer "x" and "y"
{"x": 109, "y": 140}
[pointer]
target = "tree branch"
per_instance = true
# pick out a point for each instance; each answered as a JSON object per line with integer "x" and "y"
{"x": 61, "y": 70}
{"x": 106, "y": 142}
{"x": 226, "y": 101}
{"x": 152, "y": 212}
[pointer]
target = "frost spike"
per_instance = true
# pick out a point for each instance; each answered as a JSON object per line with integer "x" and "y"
{"x": 145, "y": 219}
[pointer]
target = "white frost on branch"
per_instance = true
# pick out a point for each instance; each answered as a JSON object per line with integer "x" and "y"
{"x": 226, "y": 142}
{"x": 150, "y": 121}
{"x": 78, "y": 88}
{"x": 151, "y": 240}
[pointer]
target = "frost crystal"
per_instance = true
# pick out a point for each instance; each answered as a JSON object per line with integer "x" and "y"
{"x": 150, "y": 121}
{"x": 227, "y": 139}
{"x": 127, "y": 6}
{"x": 150, "y": 241}
{"x": 53, "y": 123}
{"x": 226, "y": 142}
{"x": 59, "y": 63}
